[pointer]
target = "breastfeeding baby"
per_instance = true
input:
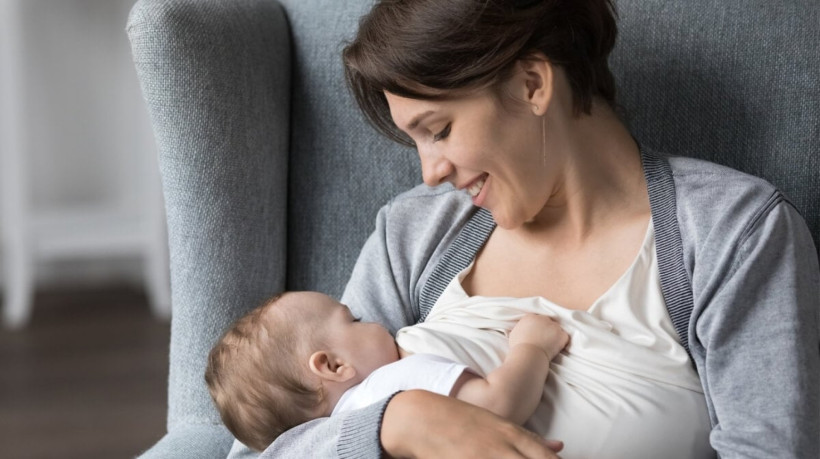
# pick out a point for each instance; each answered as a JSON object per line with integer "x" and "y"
{"x": 623, "y": 386}
{"x": 302, "y": 356}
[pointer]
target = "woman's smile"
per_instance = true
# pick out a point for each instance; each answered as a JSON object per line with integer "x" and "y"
{"x": 478, "y": 190}
{"x": 474, "y": 186}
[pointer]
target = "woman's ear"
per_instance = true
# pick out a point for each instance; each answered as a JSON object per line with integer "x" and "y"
{"x": 330, "y": 367}
{"x": 538, "y": 78}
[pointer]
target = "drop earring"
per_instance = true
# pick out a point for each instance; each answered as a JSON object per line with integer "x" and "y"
{"x": 544, "y": 140}
{"x": 543, "y": 137}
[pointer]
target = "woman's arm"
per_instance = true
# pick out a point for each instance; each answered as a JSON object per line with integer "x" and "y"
{"x": 758, "y": 345}
{"x": 354, "y": 434}
{"x": 416, "y": 424}
{"x": 422, "y": 424}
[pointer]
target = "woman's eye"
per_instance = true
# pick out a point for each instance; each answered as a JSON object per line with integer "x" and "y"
{"x": 443, "y": 134}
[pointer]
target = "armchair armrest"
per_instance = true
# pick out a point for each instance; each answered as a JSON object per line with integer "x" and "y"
{"x": 216, "y": 78}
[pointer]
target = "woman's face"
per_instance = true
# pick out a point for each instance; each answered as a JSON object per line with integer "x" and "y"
{"x": 492, "y": 151}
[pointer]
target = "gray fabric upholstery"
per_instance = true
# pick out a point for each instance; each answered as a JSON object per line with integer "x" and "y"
{"x": 272, "y": 178}
{"x": 216, "y": 78}
{"x": 341, "y": 171}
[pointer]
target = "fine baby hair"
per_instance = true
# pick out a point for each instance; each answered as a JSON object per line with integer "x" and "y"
{"x": 256, "y": 377}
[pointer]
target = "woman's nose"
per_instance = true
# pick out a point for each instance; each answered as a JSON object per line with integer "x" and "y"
{"x": 435, "y": 168}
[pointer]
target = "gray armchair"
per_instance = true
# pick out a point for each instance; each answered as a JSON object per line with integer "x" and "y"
{"x": 272, "y": 178}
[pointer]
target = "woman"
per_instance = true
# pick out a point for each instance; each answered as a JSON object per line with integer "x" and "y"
{"x": 512, "y": 103}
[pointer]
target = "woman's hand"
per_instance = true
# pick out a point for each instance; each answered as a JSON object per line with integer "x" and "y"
{"x": 421, "y": 424}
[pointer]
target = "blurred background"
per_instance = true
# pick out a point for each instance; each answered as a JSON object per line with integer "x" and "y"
{"x": 83, "y": 261}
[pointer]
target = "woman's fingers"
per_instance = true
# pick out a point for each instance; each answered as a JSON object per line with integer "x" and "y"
{"x": 536, "y": 446}
{"x": 425, "y": 425}
{"x": 555, "y": 445}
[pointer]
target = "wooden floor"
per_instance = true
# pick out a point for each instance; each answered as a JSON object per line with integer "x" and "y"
{"x": 86, "y": 379}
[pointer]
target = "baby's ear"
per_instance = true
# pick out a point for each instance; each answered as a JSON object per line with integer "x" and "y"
{"x": 326, "y": 365}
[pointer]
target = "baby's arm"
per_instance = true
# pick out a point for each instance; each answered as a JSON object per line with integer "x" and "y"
{"x": 514, "y": 389}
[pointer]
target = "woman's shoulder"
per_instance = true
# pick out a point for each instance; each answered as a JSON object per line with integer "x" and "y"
{"x": 708, "y": 193}
{"x": 413, "y": 232}
{"x": 422, "y": 221}
{"x": 442, "y": 193}
{"x": 441, "y": 206}
{"x": 718, "y": 208}
{"x": 695, "y": 177}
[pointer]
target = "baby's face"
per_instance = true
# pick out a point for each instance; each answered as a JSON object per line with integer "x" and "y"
{"x": 365, "y": 345}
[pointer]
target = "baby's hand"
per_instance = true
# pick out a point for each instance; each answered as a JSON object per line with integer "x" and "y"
{"x": 540, "y": 331}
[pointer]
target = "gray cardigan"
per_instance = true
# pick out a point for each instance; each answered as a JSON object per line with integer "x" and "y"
{"x": 739, "y": 274}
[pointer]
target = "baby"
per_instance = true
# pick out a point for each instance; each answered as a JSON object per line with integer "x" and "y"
{"x": 302, "y": 355}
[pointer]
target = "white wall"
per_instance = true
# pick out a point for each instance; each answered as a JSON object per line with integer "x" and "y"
{"x": 88, "y": 141}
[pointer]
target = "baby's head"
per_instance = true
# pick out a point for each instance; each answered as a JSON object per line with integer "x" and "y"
{"x": 288, "y": 361}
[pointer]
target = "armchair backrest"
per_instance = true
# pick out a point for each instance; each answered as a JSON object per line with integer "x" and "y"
{"x": 340, "y": 170}
{"x": 272, "y": 178}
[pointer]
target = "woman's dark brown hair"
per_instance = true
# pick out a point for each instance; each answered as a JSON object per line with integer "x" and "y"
{"x": 434, "y": 49}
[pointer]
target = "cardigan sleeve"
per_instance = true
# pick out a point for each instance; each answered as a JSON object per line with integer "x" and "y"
{"x": 355, "y": 434}
{"x": 760, "y": 334}
{"x": 379, "y": 287}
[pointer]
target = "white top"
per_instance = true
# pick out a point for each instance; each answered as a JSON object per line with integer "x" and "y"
{"x": 417, "y": 371}
{"x": 623, "y": 387}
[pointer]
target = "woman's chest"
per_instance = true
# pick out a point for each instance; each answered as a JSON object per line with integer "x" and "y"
{"x": 573, "y": 277}
{"x": 602, "y": 415}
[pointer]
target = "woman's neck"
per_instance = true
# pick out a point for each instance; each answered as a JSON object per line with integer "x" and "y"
{"x": 601, "y": 180}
